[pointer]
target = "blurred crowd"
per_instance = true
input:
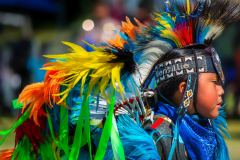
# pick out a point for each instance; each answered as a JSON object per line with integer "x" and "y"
{"x": 22, "y": 44}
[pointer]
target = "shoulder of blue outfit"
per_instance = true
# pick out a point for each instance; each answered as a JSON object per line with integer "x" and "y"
{"x": 161, "y": 131}
{"x": 165, "y": 133}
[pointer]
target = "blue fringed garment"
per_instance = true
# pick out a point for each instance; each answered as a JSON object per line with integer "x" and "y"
{"x": 202, "y": 137}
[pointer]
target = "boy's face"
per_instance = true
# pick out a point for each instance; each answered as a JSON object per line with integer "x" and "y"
{"x": 209, "y": 96}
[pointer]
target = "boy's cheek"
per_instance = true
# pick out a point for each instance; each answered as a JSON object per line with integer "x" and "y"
{"x": 207, "y": 108}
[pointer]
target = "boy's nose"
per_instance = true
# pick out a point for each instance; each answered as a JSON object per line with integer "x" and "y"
{"x": 220, "y": 90}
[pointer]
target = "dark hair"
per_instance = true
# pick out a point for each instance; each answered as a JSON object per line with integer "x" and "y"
{"x": 168, "y": 87}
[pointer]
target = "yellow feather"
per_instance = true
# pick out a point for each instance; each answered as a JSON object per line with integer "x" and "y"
{"x": 63, "y": 97}
{"x": 102, "y": 71}
{"x": 58, "y": 56}
{"x": 171, "y": 35}
{"x": 93, "y": 47}
{"x": 165, "y": 24}
{"x": 188, "y": 7}
{"x": 103, "y": 84}
{"x": 63, "y": 92}
{"x": 69, "y": 79}
{"x": 76, "y": 48}
{"x": 81, "y": 74}
{"x": 116, "y": 79}
{"x": 83, "y": 82}
{"x": 121, "y": 90}
{"x": 77, "y": 66}
{"x": 92, "y": 83}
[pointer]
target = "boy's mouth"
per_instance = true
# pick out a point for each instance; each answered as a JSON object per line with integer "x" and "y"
{"x": 219, "y": 104}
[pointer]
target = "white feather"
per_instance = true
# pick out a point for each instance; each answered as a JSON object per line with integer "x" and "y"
{"x": 150, "y": 55}
{"x": 214, "y": 31}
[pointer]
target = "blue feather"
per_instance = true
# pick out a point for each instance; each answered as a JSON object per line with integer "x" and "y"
{"x": 135, "y": 140}
{"x": 202, "y": 33}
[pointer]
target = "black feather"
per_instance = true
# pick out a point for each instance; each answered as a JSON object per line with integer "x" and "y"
{"x": 223, "y": 11}
{"x": 220, "y": 13}
{"x": 126, "y": 57}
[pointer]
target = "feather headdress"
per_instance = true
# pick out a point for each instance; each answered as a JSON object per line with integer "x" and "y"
{"x": 103, "y": 73}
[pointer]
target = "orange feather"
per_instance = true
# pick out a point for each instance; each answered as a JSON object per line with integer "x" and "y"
{"x": 117, "y": 42}
{"x": 37, "y": 94}
{"x": 129, "y": 28}
{"x": 6, "y": 154}
{"x": 32, "y": 96}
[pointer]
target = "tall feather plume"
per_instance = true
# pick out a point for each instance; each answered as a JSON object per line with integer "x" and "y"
{"x": 186, "y": 22}
{"x": 219, "y": 14}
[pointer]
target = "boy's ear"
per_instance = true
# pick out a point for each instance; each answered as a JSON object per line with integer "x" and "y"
{"x": 182, "y": 87}
{"x": 178, "y": 95}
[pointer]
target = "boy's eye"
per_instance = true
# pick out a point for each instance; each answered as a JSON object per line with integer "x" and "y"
{"x": 217, "y": 82}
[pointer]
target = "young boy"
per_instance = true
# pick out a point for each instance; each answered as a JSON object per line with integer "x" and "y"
{"x": 167, "y": 79}
{"x": 189, "y": 108}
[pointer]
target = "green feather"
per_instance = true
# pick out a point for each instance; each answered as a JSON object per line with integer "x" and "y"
{"x": 102, "y": 146}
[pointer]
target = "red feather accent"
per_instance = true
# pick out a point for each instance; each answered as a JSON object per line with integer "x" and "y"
{"x": 32, "y": 130}
{"x": 185, "y": 32}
